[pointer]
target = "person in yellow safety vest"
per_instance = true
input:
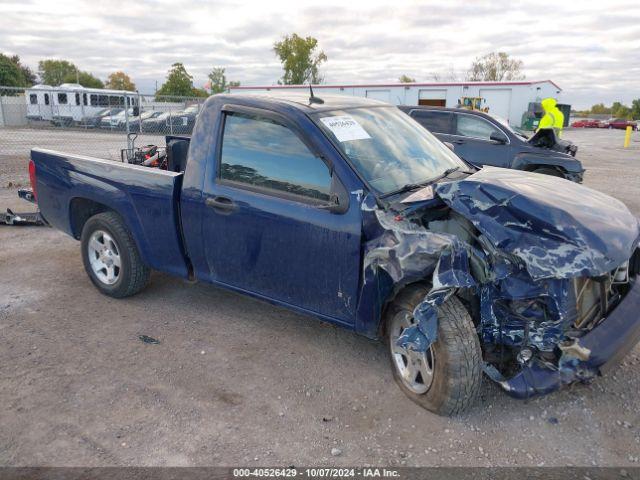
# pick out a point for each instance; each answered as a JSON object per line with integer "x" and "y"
{"x": 553, "y": 117}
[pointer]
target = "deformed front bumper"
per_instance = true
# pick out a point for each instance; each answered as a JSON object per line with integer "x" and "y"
{"x": 594, "y": 353}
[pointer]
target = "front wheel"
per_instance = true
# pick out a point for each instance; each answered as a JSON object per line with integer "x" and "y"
{"x": 111, "y": 257}
{"x": 446, "y": 379}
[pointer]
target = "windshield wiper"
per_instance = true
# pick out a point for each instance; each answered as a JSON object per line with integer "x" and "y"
{"x": 413, "y": 186}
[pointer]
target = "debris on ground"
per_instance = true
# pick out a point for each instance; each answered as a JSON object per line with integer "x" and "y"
{"x": 147, "y": 339}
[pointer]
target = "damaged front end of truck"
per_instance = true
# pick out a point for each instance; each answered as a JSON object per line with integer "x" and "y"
{"x": 547, "y": 269}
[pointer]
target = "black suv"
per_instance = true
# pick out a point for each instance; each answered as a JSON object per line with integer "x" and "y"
{"x": 481, "y": 139}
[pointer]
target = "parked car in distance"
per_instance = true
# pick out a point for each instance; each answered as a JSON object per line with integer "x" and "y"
{"x": 182, "y": 121}
{"x": 135, "y": 122}
{"x": 157, "y": 124}
{"x": 482, "y": 139}
{"x": 345, "y": 209}
{"x": 95, "y": 120}
{"x": 112, "y": 121}
{"x": 586, "y": 123}
{"x": 619, "y": 123}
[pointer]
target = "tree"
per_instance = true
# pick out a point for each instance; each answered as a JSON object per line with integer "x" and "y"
{"x": 218, "y": 81}
{"x": 83, "y": 78}
{"x": 13, "y": 73}
{"x": 178, "y": 82}
{"x": 300, "y": 59}
{"x": 495, "y": 66}
{"x": 120, "y": 81}
{"x": 199, "y": 92}
{"x": 54, "y": 72}
{"x": 600, "y": 109}
{"x": 635, "y": 109}
{"x": 449, "y": 76}
{"x": 406, "y": 79}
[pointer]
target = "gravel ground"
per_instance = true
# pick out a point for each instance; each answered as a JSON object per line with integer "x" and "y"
{"x": 237, "y": 381}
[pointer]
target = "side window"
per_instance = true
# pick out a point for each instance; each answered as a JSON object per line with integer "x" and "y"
{"x": 264, "y": 154}
{"x": 103, "y": 100}
{"x": 84, "y": 98}
{"x": 435, "y": 122}
{"x": 46, "y": 99}
{"x": 471, "y": 126}
{"x": 33, "y": 99}
{"x": 62, "y": 98}
{"x": 94, "y": 100}
{"x": 77, "y": 98}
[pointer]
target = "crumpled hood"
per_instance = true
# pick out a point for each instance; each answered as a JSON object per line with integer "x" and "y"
{"x": 558, "y": 228}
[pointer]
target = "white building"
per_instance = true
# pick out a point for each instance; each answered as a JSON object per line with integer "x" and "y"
{"x": 508, "y": 100}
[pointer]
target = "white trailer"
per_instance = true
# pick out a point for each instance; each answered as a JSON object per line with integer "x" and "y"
{"x": 509, "y": 100}
{"x": 70, "y": 103}
{"x": 39, "y": 102}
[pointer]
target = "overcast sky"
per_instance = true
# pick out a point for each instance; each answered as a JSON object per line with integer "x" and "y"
{"x": 590, "y": 48}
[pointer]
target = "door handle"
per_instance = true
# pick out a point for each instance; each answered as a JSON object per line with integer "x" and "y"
{"x": 224, "y": 204}
{"x": 459, "y": 142}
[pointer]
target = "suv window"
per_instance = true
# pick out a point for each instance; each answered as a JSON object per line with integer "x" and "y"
{"x": 432, "y": 120}
{"x": 269, "y": 156}
{"x": 472, "y": 126}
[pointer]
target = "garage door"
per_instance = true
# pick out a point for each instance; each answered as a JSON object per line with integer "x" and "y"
{"x": 435, "y": 98}
{"x": 498, "y": 100}
{"x": 383, "y": 95}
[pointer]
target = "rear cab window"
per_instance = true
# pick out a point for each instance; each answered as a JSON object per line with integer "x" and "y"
{"x": 434, "y": 120}
{"x": 261, "y": 155}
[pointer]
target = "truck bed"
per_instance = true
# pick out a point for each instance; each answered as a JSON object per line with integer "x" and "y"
{"x": 71, "y": 186}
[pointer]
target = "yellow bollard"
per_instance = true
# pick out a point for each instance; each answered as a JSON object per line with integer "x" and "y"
{"x": 627, "y": 137}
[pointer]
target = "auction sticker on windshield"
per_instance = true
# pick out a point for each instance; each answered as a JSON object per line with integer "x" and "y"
{"x": 345, "y": 128}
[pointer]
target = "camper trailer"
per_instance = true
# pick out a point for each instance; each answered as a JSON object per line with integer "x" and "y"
{"x": 39, "y": 103}
{"x": 70, "y": 103}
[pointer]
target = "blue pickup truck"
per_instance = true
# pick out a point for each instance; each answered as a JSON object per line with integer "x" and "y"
{"x": 348, "y": 210}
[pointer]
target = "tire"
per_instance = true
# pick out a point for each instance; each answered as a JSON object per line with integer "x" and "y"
{"x": 552, "y": 172}
{"x": 455, "y": 357}
{"x": 118, "y": 270}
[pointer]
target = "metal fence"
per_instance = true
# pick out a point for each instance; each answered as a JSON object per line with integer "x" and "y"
{"x": 86, "y": 121}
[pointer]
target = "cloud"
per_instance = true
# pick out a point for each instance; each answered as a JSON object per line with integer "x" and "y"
{"x": 590, "y": 53}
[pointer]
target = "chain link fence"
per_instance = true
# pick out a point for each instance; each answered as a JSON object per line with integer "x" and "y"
{"x": 84, "y": 121}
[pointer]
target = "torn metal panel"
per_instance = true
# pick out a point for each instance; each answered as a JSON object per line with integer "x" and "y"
{"x": 407, "y": 252}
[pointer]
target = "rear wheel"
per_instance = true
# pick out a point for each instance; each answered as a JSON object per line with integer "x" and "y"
{"x": 446, "y": 379}
{"x": 111, "y": 257}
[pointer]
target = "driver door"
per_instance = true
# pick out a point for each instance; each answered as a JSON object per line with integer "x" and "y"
{"x": 472, "y": 141}
{"x": 266, "y": 226}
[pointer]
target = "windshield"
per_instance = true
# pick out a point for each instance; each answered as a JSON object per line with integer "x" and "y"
{"x": 387, "y": 147}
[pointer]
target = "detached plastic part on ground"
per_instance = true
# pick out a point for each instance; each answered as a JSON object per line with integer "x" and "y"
{"x": 520, "y": 247}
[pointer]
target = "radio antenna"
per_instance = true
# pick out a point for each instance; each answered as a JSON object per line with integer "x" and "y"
{"x": 313, "y": 98}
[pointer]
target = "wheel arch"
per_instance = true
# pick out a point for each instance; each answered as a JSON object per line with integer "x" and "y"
{"x": 82, "y": 209}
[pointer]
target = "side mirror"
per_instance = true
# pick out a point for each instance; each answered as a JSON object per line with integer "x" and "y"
{"x": 450, "y": 146}
{"x": 498, "y": 137}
